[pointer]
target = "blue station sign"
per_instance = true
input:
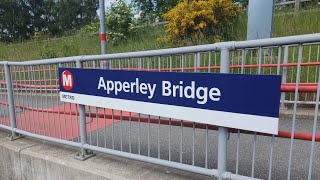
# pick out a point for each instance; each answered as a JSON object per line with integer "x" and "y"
{"x": 241, "y": 101}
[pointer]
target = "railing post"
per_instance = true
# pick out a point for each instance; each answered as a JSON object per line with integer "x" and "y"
{"x": 84, "y": 154}
{"x": 284, "y": 75}
{"x": 12, "y": 113}
{"x": 223, "y": 132}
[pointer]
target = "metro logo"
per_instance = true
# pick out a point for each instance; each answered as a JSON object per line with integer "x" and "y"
{"x": 67, "y": 80}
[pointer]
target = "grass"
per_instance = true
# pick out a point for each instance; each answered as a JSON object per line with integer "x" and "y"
{"x": 285, "y": 24}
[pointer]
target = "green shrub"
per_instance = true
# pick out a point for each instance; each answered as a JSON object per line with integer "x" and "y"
{"x": 201, "y": 19}
{"x": 120, "y": 23}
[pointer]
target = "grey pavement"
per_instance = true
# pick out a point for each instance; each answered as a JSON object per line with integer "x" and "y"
{"x": 261, "y": 158}
{"x": 280, "y": 158}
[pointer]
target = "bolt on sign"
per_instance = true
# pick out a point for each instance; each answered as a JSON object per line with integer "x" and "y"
{"x": 241, "y": 101}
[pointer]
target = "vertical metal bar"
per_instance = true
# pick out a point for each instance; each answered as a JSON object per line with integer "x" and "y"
{"x": 170, "y": 63}
{"x": 159, "y": 137}
{"x": 292, "y": 74}
{"x": 121, "y": 136}
{"x": 251, "y": 60}
{"x": 90, "y": 125}
{"x": 60, "y": 127}
{"x": 70, "y": 121}
{"x": 259, "y": 60}
{"x": 232, "y": 60}
{"x": 36, "y": 97}
{"x": 207, "y": 134}
{"x": 314, "y": 129}
{"x": 308, "y": 71}
{"x": 279, "y": 60}
{"x": 104, "y": 127}
{"x": 296, "y": 98}
{"x": 182, "y": 62}
{"x": 26, "y": 98}
{"x": 284, "y": 74}
{"x": 77, "y": 119}
{"x": 139, "y": 63}
{"x": 31, "y": 101}
{"x": 253, "y": 153}
{"x": 129, "y": 132}
{"x": 41, "y": 99}
{"x": 159, "y": 63}
{"x": 243, "y": 58}
{"x": 238, "y": 152}
{"x": 264, "y": 59}
{"x": 3, "y": 96}
{"x": 317, "y": 67}
{"x": 82, "y": 115}
{"x": 271, "y": 156}
{"x": 19, "y": 100}
{"x": 169, "y": 139}
{"x": 65, "y": 120}
{"x": 223, "y": 132}
{"x": 12, "y": 114}
{"x": 181, "y": 141}
{"x": 149, "y": 135}
{"x": 209, "y": 61}
{"x": 46, "y": 94}
{"x": 97, "y": 125}
{"x": 193, "y": 141}
{"x": 139, "y": 134}
{"x": 271, "y": 60}
{"x": 112, "y": 129}
{"x": 198, "y": 62}
{"x": 14, "y": 79}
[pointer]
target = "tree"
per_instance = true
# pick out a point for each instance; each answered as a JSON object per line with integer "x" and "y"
{"x": 72, "y": 14}
{"x": 13, "y": 21}
{"x": 21, "y": 19}
{"x": 119, "y": 20}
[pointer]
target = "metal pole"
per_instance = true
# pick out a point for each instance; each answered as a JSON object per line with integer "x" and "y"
{"x": 223, "y": 132}
{"x": 296, "y": 6}
{"x": 83, "y": 129}
{"x": 12, "y": 114}
{"x": 284, "y": 75}
{"x": 104, "y": 64}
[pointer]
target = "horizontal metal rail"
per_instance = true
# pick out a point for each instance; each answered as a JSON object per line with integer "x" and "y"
{"x": 281, "y": 134}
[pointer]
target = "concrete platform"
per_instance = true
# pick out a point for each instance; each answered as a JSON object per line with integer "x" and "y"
{"x": 32, "y": 159}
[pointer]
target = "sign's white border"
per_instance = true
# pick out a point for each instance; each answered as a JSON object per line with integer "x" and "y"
{"x": 226, "y": 119}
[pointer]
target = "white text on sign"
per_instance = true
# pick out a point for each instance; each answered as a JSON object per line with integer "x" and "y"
{"x": 181, "y": 90}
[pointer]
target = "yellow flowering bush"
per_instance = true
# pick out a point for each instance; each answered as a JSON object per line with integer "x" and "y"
{"x": 198, "y": 19}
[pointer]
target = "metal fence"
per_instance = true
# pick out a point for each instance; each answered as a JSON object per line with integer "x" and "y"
{"x": 30, "y": 105}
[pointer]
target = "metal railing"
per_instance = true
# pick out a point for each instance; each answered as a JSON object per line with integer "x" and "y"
{"x": 30, "y": 105}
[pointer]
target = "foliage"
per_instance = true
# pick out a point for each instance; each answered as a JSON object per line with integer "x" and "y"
{"x": 66, "y": 48}
{"x": 119, "y": 20}
{"x": 22, "y": 19}
{"x": 154, "y": 9}
{"x": 285, "y": 24}
{"x": 120, "y": 23}
{"x": 200, "y": 19}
